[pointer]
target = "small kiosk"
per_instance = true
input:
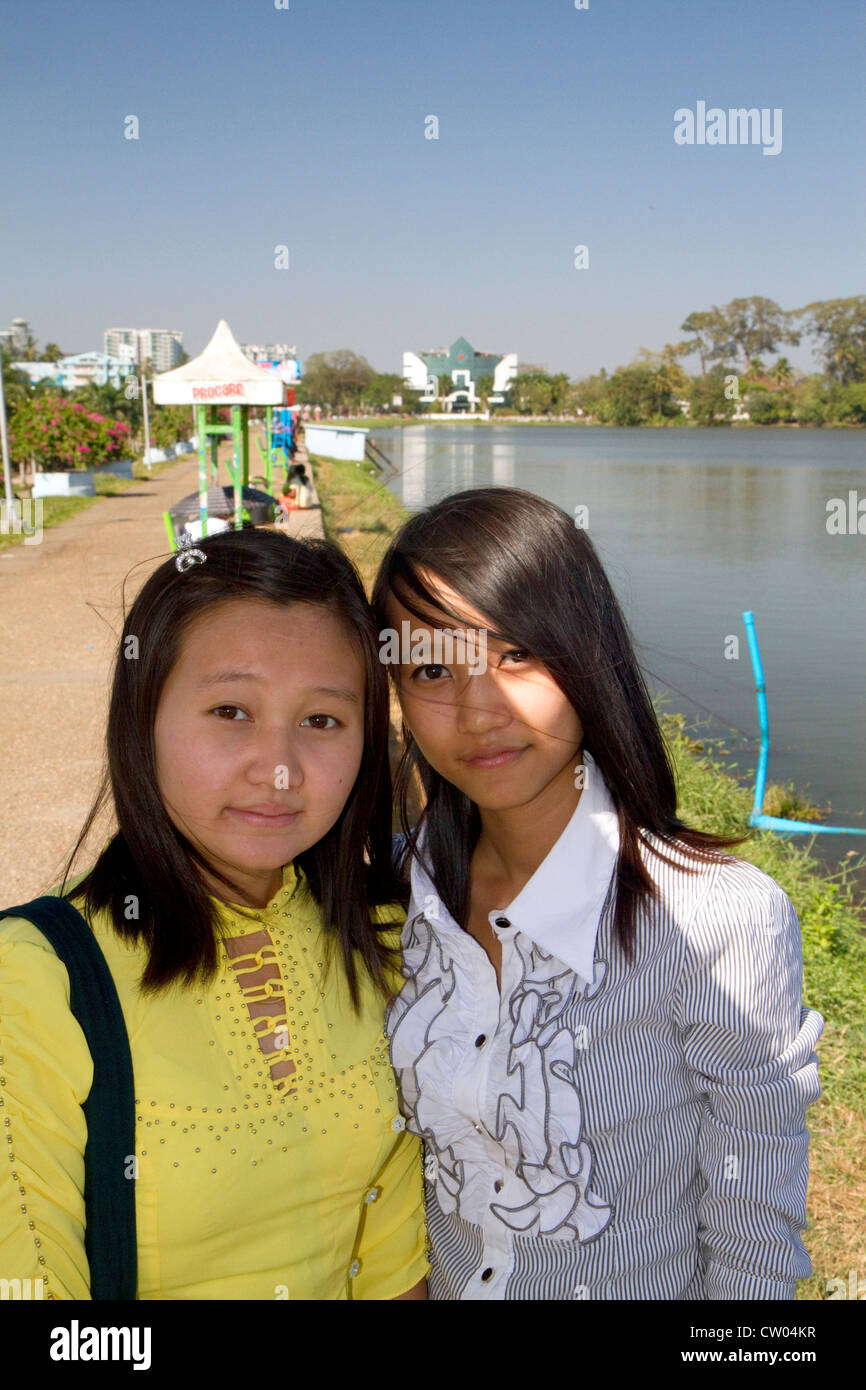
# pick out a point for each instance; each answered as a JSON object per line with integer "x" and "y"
{"x": 222, "y": 376}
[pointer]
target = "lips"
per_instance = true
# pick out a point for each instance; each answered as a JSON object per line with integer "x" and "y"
{"x": 494, "y": 757}
{"x": 266, "y": 814}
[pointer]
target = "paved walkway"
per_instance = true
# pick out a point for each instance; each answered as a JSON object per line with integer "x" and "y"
{"x": 61, "y": 606}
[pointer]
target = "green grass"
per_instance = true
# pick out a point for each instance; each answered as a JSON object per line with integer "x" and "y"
{"x": 828, "y": 902}
{"x": 357, "y": 511}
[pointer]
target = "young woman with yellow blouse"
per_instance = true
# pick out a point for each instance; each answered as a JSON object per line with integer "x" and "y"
{"x": 246, "y": 910}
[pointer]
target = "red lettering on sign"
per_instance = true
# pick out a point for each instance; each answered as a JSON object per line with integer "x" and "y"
{"x": 218, "y": 392}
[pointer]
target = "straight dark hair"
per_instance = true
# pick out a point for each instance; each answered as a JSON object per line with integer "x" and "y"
{"x": 149, "y": 861}
{"x": 536, "y": 577}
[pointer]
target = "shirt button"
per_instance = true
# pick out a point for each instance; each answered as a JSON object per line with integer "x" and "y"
{"x": 398, "y": 1124}
{"x": 354, "y": 1267}
{"x": 481, "y": 1040}
{"x": 478, "y": 1128}
{"x": 502, "y": 922}
{"x": 486, "y": 1275}
{"x": 497, "y": 1186}
{"x": 372, "y": 1194}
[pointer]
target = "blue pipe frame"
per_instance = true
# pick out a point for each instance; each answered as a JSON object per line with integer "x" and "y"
{"x": 757, "y": 817}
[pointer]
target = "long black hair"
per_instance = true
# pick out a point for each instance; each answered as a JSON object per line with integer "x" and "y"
{"x": 149, "y": 861}
{"x": 537, "y": 579}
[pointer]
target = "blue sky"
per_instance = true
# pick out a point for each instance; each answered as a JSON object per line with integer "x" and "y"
{"x": 305, "y": 127}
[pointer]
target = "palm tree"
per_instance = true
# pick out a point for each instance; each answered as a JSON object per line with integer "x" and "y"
{"x": 484, "y": 389}
{"x": 755, "y": 369}
{"x": 781, "y": 371}
{"x": 446, "y": 386}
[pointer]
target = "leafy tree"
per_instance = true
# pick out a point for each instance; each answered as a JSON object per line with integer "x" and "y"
{"x": 708, "y": 404}
{"x": 589, "y": 395}
{"x": 52, "y": 353}
{"x": 540, "y": 393}
{"x": 531, "y": 393}
{"x": 763, "y": 406}
{"x": 378, "y": 394}
{"x": 712, "y": 339}
{"x": 758, "y": 325}
{"x": 840, "y": 327}
{"x": 637, "y": 393}
{"x": 168, "y": 424}
{"x": 848, "y": 404}
{"x": 336, "y": 378}
{"x": 811, "y": 399}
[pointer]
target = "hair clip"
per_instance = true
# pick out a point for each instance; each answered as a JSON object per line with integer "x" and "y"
{"x": 187, "y": 555}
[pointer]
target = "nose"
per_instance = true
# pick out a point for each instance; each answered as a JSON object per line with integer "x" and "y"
{"x": 275, "y": 760}
{"x": 481, "y": 706}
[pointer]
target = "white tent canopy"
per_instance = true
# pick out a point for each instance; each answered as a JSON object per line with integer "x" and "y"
{"x": 221, "y": 375}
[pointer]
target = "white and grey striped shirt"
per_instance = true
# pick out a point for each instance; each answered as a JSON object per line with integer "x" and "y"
{"x": 604, "y": 1130}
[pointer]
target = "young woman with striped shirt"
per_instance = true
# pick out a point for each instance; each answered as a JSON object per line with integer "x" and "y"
{"x": 601, "y": 1036}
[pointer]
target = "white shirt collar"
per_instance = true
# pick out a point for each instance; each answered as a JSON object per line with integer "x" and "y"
{"x": 560, "y": 906}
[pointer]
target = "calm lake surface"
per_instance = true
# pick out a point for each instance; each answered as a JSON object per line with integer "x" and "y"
{"x": 693, "y": 527}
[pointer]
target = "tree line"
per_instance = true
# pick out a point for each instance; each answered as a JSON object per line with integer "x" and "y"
{"x": 731, "y": 344}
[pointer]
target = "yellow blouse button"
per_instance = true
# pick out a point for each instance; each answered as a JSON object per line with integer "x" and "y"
{"x": 353, "y": 1268}
{"x": 398, "y": 1124}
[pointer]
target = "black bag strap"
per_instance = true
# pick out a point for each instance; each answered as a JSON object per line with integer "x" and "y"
{"x": 109, "y": 1194}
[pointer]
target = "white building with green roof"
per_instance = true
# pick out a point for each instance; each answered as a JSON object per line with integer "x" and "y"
{"x": 465, "y": 367}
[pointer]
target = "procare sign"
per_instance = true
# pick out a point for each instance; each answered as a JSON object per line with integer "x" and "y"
{"x": 219, "y": 391}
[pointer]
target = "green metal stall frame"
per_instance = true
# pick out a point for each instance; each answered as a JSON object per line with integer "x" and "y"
{"x": 210, "y": 430}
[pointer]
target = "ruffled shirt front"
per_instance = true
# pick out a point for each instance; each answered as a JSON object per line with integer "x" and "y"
{"x": 605, "y": 1131}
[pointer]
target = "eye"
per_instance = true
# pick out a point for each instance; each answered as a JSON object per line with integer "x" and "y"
{"x": 425, "y": 671}
{"x": 334, "y": 724}
{"x": 517, "y": 654}
{"x": 220, "y": 712}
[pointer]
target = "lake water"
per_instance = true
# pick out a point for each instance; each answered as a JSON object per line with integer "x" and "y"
{"x": 693, "y": 527}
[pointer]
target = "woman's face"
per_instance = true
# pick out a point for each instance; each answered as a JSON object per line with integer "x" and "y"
{"x": 506, "y": 735}
{"x": 259, "y": 735}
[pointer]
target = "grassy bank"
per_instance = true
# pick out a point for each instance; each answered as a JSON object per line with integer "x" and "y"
{"x": 360, "y": 514}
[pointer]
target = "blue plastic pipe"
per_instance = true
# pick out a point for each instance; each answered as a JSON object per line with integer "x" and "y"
{"x": 757, "y": 818}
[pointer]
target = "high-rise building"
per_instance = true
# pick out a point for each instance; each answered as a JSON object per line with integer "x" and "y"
{"x": 16, "y": 335}
{"x": 163, "y": 346}
{"x": 268, "y": 352}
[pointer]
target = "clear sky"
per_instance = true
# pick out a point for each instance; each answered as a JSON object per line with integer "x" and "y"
{"x": 305, "y": 127}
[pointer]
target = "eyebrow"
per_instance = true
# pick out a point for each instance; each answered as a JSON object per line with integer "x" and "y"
{"x": 225, "y": 677}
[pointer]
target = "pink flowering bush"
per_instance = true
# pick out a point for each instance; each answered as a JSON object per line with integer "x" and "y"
{"x": 168, "y": 424}
{"x": 61, "y": 434}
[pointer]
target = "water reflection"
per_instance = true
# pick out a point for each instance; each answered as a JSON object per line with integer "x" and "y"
{"x": 695, "y": 526}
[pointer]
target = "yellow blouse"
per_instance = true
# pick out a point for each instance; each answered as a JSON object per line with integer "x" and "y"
{"x": 272, "y": 1159}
